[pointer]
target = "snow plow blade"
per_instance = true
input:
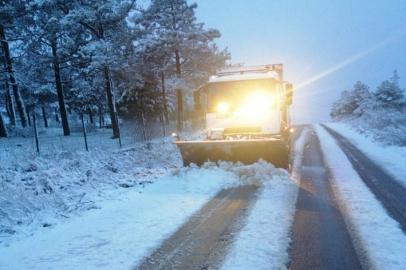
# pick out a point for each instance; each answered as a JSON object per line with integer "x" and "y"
{"x": 246, "y": 151}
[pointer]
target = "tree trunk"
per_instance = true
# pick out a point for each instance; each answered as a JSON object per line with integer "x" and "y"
{"x": 9, "y": 68}
{"x": 90, "y": 116}
{"x": 28, "y": 117}
{"x": 59, "y": 90}
{"x": 177, "y": 58}
{"x": 44, "y": 115}
{"x": 100, "y": 117}
{"x": 164, "y": 105}
{"x": 3, "y": 129}
{"x": 180, "y": 110}
{"x": 34, "y": 121}
{"x": 110, "y": 100}
{"x": 144, "y": 127}
{"x": 10, "y": 106}
{"x": 56, "y": 115}
{"x": 7, "y": 110}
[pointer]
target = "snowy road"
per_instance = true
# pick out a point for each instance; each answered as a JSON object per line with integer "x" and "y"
{"x": 202, "y": 242}
{"x": 320, "y": 239}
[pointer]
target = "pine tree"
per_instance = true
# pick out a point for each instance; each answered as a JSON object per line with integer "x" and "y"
{"x": 361, "y": 99}
{"x": 351, "y": 103}
{"x": 106, "y": 25}
{"x": 10, "y": 11}
{"x": 175, "y": 45}
{"x": 395, "y": 78}
{"x": 50, "y": 43}
{"x": 381, "y": 114}
{"x": 343, "y": 107}
{"x": 8, "y": 96}
{"x": 173, "y": 22}
{"x": 389, "y": 95}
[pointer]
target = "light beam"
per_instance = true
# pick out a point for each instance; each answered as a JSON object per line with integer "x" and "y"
{"x": 352, "y": 59}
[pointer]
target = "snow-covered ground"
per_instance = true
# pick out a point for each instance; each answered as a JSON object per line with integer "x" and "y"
{"x": 109, "y": 209}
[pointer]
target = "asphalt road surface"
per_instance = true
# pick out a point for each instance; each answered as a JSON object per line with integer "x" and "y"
{"x": 320, "y": 239}
{"x": 385, "y": 188}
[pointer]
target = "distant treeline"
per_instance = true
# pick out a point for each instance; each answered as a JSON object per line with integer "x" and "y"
{"x": 380, "y": 114}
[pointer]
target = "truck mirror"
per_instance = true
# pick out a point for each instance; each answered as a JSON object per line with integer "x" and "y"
{"x": 289, "y": 93}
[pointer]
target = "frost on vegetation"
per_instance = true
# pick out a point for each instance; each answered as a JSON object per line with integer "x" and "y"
{"x": 39, "y": 190}
{"x": 379, "y": 115}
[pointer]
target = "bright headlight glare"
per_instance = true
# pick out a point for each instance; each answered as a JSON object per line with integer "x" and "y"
{"x": 222, "y": 107}
{"x": 258, "y": 103}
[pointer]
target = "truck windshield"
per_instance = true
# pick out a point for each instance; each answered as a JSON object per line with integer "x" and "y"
{"x": 235, "y": 93}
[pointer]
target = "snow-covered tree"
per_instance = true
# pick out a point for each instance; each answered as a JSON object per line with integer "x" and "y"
{"x": 395, "y": 78}
{"x": 175, "y": 45}
{"x": 158, "y": 58}
{"x": 361, "y": 98}
{"x": 351, "y": 103}
{"x": 10, "y": 12}
{"x": 390, "y": 95}
{"x": 109, "y": 36}
{"x": 342, "y": 107}
{"x": 4, "y": 82}
{"x": 53, "y": 43}
{"x": 381, "y": 114}
{"x": 173, "y": 23}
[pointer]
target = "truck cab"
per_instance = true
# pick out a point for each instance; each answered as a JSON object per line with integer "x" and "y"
{"x": 248, "y": 102}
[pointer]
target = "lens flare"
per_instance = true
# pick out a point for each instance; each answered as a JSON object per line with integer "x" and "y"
{"x": 257, "y": 105}
{"x": 222, "y": 107}
{"x": 352, "y": 59}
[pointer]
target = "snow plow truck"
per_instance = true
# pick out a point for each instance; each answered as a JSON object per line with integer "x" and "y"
{"x": 246, "y": 115}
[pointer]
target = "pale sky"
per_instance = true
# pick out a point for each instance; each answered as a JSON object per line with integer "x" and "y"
{"x": 325, "y": 46}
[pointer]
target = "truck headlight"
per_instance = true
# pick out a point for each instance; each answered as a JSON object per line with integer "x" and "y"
{"x": 258, "y": 104}
{"x": 222, "y": 107}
